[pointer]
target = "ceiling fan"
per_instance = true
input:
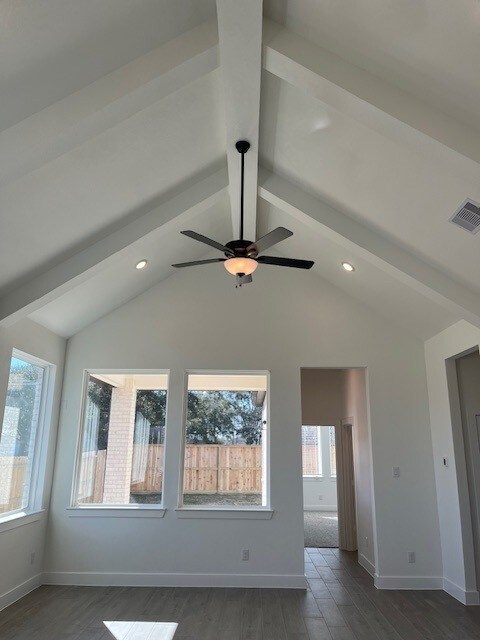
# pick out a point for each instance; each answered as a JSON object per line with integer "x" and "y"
{"x": 242, "y": 256}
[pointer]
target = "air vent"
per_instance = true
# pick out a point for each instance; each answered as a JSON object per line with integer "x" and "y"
{"x": 467, "y": 216}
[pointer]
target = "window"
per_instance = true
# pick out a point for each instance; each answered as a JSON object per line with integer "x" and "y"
{"x": 21, "y": 432}
{"x": 311, "y": 451}
{"x": 225, "y": 441}
{"x": 318, "y": 451}
{"x": 123, "y": 440}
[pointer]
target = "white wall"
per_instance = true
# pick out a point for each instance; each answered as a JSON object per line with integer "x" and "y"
{"x": 17, "y": 574}
{"x": 284, "y": 321}
{"x": 447, "y": 439}
{"x": 325, "y": 487}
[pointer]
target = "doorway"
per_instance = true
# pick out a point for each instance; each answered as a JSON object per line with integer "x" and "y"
{"x": 319, "y": 470}
{"x": 336, "y": 463}
{"x": 468, "y": 376}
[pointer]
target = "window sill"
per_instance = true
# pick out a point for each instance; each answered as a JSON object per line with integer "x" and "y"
{"x": 19, "y": 519}
{"x": 313, "y": 478}
{"x": 226, "y": 514}
{"x": 116, "y": 512}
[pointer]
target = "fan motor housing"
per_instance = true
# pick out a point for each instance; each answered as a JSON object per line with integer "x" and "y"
{"x": 239, "y": 248}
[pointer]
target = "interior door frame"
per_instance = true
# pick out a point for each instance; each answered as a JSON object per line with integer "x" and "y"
{"x": 346, "y": 486}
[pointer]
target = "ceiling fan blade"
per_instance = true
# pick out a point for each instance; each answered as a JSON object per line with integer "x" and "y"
{"x": 197, "y": 262}
{"x": 286, "y": 262}
{"x": 268, "y": 240}
{"x": 209, "y": 241}
{"x": 243, "y": 280}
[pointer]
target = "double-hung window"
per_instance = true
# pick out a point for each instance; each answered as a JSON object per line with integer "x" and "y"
{"x": 23, "y": 437}
{"x": 122, "y": 441}
{"x": 318, "y": 451}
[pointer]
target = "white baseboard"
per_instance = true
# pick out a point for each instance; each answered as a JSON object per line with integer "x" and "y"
{"x": 320, "y": 507}
{"x": 94, "y": 579}
{"x": 366, "y": 564}
{"x": 414, "y": 583}
{"x": 8, "y": 598}
{"x": 465, "y": 597}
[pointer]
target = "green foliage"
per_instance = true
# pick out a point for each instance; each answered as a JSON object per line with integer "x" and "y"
{"x": 101, "y": 394}
{"x": 152, "y": 405}
{"x": 214, "y": 417}
{"x": 223, "y": 417}
{"x": 22, "y": 389}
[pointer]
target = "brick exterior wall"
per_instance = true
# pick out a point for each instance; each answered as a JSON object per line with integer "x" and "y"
{"x": 118, "y": 469}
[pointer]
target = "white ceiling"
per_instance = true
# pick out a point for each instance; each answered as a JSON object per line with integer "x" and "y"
{"x": 429, "y": 48}
{"x": 405, "y": 195}
{"x": 74, "y": 199}
{"x": 119, "y": 281}
{"x": 102, "y": 155}
{"x": 396, "y": 302}
{"x": 51, "y": 48}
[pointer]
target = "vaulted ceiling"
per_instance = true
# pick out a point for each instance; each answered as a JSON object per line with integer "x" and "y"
{"x": 118, "y": 122}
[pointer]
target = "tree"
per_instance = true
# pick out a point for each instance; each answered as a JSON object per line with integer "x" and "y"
{"x": 24, "y": 384}
{"x": 100, "y": 393}
{"x": 213, "y": 417}
{"x": 221, "y": 417}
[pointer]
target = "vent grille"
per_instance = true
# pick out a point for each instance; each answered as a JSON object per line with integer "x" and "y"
{"x": 467, "y": 216}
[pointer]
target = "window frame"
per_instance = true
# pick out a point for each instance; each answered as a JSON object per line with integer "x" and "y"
{"x": 76, "y": 509}
{"x": 260, "y": 512}
{"x": 36, "y": 491}
{"x": 333, "y": 476}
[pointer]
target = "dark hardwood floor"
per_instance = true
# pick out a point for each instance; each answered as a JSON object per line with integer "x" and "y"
{"x": 340, "y": 604}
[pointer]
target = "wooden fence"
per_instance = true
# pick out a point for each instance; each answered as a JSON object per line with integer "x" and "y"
{"x": 12, "y": 478}
{"x": 208, "y": 469}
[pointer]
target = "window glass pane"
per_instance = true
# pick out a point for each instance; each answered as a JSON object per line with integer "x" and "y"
{"x": 121, "y": 459}
{"x": 311, "y": 451}
{"x": 333, "y": 459}
{"x": 19, "y": 432}
{"x": 225, "y": 448}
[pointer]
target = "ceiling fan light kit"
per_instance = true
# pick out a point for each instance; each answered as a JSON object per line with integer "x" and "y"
{"x": 242, "y": 256}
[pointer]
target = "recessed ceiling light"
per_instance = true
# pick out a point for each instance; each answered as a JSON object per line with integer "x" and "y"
{"x": 347, "y": 266}
{"x": 141, "y": 265}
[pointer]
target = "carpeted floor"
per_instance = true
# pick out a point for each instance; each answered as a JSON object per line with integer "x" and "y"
{"x": 321, "y": 528}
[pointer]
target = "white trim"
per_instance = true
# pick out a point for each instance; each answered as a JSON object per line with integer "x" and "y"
{"x": 364, "y": 562}
{"x": 225, "y": 514}
{"x": 320, "y": 507}
{"x": 116, "y": 512}
{"x": 39, "y": 455}
{"x": 181, "y": 468}
{"x": 19, "y": 518}
{"x": 21, "y": 590}
{"x": 465, "y": 597}
{"x": 103, "y": 579}
{"x": 416, "y": 583}
{"x": 87, "y": 374}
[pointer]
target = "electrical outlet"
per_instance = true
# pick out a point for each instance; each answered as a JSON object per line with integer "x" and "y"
{"x": 32, "y": 557}
{"x": 396, "y": 472}
{"x": 320, "y": 497}
{"x": 411, "y": 557}
{"x": 246, "y": 555}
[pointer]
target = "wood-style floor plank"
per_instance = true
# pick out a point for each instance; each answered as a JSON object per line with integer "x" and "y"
{"x": 340, "y": 603}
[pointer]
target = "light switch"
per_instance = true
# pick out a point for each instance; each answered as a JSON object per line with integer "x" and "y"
{"x": 445, "y": 462}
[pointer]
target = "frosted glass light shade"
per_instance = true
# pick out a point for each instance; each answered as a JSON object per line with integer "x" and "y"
{"x": 240, "y": 265}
